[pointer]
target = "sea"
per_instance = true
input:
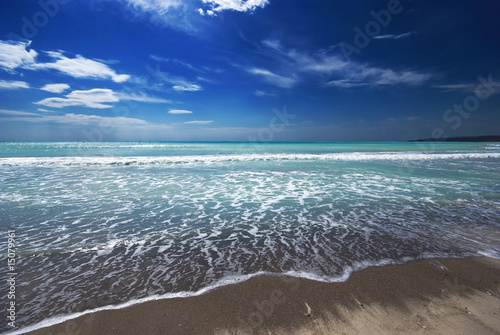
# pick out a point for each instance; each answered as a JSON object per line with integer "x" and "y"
{"x": 106, "y": 225}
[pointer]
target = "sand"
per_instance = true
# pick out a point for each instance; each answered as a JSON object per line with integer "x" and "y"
{"x": 438, "y": 296}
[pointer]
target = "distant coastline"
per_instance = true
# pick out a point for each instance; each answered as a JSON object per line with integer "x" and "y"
{"x": 490, "y": 138}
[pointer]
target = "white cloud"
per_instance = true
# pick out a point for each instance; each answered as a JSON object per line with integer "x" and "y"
{"x": 80, "y": 119}
{"x": 346, "y": 83}
{"x": 236, "y": 5}
{"x": 141, "y": 98}
{"x": 456, "y": 86}
{"x": 198, "y": 122}
{"x": 178, "y": 83}
{"x": 187, "y": 87}
{"x": 179, "y": 111}
{"x": 55, "y": 88}
{"x": 332, "y": 70}
{"x": 80, "y": 67}
{"x": 12, "y": 85}
{"x": 464, "y": 87}
{"x": 11, "y": 112}
{"x": 280, "y": 81}
{"x": 175, "y": 62}
{"x": 161, "y": 7}
{"x": 43, "y": 110}
{"x": 177, "y": 14}
{"x": 94, "y": 98}
{"x": 394, "y": 37}
{"x": 260, "y": 93}
{"x": 97, "y": 98}
{"x": 14, "y": 55}
{"x": 322, "y": 63}
{"x": 362, "y": 75}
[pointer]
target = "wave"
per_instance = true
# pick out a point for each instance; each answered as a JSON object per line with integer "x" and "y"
{"x": 215, "y": 159}
{"x": 232, "y": 280}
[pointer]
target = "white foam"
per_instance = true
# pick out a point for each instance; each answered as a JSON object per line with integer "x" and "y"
{"x": 228, "y": 280}
{"x": 212, "y": 159}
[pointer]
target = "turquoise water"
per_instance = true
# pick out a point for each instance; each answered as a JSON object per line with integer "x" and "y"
{"x": 126, "y": 221}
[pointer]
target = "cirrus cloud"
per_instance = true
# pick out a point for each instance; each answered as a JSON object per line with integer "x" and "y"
{"x": 179, "y": 111}
{"x": 77, "y": 119}
{"x": 332, "y": 70}
{"x": 17, "y": 113}
{"x": 12, "y": 85}
{"x": 96, "y": 98}
{"x": 198, "y": 122}
{"x": 275, "y": 79}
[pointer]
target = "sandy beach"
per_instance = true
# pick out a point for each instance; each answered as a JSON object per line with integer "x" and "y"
{"x": 432, "y": 296}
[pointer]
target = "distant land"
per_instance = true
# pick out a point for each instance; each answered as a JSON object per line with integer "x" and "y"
{"x": 491, "y": 138}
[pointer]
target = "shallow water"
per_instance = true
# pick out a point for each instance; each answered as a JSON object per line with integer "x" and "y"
{"x": 106, "y": 223}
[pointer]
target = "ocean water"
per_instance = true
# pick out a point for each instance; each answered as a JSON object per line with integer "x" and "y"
{"x": 103, "y": 224}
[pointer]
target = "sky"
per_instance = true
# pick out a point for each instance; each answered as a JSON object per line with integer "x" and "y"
{"x": 248, "y": 70}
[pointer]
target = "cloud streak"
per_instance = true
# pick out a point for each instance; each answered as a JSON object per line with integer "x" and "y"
{"x": 234, "y": 5}
{"x": 179, "y": 111}
{"x": 272, "y": 78}
{"x": 178, "y": 83}
{"x": 100, "y": 98}
{"x": 198, "y": 122}
{"x": 17, "y": 113}
{"x": 394, "y": 37}
{"x": 78, "y": 119}
{"x": 332, "y": 70}
{"x": 13, "y": 85}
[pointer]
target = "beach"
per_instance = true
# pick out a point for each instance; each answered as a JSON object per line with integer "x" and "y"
{"x": 249, "y": 167}
{"x": 428, "y": 296}
{"x": 129, "y": 224}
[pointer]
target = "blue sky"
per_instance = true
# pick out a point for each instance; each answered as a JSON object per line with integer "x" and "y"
{"x": 248, "y": 70}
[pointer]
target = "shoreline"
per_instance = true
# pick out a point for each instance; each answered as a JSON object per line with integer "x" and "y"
{"x": 422, "y": 294}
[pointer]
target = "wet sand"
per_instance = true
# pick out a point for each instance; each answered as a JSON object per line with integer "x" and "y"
{"x": 433, "y": 296}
